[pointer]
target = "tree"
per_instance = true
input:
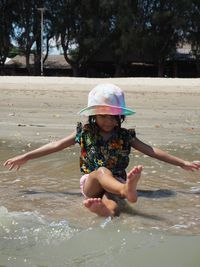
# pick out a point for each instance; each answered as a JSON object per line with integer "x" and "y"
{"x": 28, "y": 29}
{"x": 129, "y": 30}
{"x": 81, "y": 28}
{"x": 164, "y": 29}
{"x": 7, "y": 16}
{"x": 123, "y": 33}
{"x": 193, "y": 31}
{"x": 24, "y": 33}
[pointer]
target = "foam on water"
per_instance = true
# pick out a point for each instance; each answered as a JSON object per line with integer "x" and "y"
{"x": 27, "y": 239}
{"x": 26, "y": 235}
{"x": 30, "y": 227}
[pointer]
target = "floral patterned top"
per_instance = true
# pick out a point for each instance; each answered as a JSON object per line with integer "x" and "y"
{"x": 97, "y": 152}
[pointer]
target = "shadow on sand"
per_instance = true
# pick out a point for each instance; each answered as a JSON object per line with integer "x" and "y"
{"x": 161, "y": 193}
{"x": 124, "y": 206}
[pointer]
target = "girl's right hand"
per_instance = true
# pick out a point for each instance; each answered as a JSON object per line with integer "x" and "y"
{"x": 191, "y": 166}
{"x": 16, "y": 162}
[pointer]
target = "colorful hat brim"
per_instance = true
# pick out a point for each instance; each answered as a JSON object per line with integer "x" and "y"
{"x": 103, "y": 110}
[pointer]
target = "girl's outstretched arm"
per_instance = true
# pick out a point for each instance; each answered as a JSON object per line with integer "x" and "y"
{"x": 18, "y": 161}
{"x": 164, "y": 156}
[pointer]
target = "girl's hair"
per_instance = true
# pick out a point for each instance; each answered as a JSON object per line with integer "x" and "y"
{"x": 119, "y": 118}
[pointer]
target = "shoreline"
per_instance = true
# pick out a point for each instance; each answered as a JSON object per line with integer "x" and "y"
{"x": 128, "y": 84}
{"x": 42, "y": 109}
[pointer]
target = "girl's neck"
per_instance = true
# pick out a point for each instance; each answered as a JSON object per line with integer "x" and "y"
{"x": 105, "y": 135}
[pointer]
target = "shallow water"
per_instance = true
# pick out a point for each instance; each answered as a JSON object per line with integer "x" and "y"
{"x": 43, "y": 222}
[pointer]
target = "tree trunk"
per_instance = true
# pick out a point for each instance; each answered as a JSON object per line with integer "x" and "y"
{"x": 175, "y": 70}
{"x": 75, "y": 70}
{"x": 37, "y": 65}
{"x": 118, "y": 70}
{"x": 160, "y": 69}
{"x": 198, "y": 66}
{"x": 28, "y": 63}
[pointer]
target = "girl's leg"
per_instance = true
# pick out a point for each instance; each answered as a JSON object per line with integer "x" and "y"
{"x": 132, "y": 179}
{"x": 103, "y": 207}
{"x": 103, "y": 180}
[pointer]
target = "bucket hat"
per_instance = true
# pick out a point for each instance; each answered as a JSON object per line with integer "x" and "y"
{"x": 106, "y": 99}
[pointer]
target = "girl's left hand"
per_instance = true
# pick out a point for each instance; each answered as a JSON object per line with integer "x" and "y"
{"x": 191, "y": 166}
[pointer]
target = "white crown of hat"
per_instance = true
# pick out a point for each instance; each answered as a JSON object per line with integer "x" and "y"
{"x": 106, "y": 99}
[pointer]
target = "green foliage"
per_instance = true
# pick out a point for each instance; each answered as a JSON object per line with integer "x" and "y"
{"x": 7, "y": 16}
{"x": 142, "y": 29}
{"x": 193, "y": 32}
{"x": 14, "y": 51}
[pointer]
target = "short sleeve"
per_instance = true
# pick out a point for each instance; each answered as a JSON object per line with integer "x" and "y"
{"x": 132, "y": 134}
{"x": 79, "y": 129}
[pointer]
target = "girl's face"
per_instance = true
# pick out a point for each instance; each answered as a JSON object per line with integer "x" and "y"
{"x": 106, "y": 123}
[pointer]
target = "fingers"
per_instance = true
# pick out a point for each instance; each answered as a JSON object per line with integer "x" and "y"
{"x": 5, "y": 163}
{"x": 14, "y": 166}
{"x": 197, "y": 164}
{"x": 11, "y": 165}
{"x": 191, "y": 166}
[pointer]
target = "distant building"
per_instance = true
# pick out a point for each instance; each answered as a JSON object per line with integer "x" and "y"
{"x": 180, "y": 64}
{"x": 55, "y": 65}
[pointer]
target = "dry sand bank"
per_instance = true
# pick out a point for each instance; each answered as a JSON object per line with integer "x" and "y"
{"x": 139, "y": 84}
{"x": 40, "y": 109}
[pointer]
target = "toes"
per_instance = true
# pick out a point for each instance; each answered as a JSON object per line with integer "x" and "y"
{"x": 136, "y": 170}
{"x": 90, "y": 201}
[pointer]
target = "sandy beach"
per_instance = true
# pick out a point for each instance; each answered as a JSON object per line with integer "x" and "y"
{"x": 41, "y": 109}
{"x": 42, "y": 219}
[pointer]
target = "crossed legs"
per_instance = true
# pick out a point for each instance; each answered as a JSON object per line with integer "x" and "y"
{"x": 102, "y": 180}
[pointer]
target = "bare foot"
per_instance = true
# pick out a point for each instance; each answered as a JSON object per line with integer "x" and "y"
{"x": 132, "y": 179}
{"x": 97, "y": 206}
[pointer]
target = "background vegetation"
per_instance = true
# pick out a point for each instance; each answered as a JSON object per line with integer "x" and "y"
{"x": 150, "y": 30}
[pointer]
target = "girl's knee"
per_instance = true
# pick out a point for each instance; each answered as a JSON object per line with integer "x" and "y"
{"x": 103, "y": 171}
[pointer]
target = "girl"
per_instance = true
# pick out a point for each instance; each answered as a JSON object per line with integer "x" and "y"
{"x": 105, "y": 148}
